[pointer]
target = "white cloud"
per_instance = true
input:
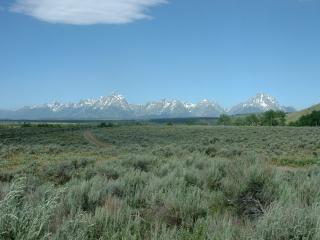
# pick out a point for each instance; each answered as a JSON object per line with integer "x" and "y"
{"x": 85, "y": 12}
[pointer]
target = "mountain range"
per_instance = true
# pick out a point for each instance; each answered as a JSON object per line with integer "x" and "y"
{"x": 116, "y": 107}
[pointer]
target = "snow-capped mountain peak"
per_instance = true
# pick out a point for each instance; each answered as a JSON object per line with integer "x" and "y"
{"x": 207, "y": 108}
{"x": 260, "y": 103}
{"x": 113, "y": 100}
{"x": 262, "y": 100}
{"x": 87, "y": 103}
{"x": 189, "y": 106}
{"x": 205, "y": 101}
{"x": 116, "y": 106}
{"x": 55, "y": 106}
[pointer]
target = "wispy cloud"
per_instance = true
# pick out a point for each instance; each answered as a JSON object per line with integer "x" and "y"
{"x": 85, "y": 12}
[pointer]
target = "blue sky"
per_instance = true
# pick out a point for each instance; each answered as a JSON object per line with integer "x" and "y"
{"x": 223, "y": 50}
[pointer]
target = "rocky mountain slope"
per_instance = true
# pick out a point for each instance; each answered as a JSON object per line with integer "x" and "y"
{"x": 115, "y": 107}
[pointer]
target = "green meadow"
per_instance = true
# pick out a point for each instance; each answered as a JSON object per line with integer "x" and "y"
{"x": 159, "y": 181}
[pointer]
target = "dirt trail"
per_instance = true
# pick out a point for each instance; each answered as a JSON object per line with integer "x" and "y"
{"x": 91, "y": 138}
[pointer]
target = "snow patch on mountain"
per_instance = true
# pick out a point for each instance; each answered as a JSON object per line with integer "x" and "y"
{"x": 117, "y": 107}
{"x": 260, "y": 103}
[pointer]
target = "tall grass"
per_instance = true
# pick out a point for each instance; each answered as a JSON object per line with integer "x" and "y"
{"x": 161, "y": 186}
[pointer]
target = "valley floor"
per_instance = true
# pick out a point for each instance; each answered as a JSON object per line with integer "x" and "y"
{"x": 154, "y": 181}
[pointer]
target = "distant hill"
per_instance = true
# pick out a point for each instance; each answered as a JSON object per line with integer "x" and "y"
{"x": 293, "y": 117}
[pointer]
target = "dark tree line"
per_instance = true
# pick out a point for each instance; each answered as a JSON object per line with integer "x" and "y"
{"x": 269, "y": 118}
{"x": 312, "y": 119}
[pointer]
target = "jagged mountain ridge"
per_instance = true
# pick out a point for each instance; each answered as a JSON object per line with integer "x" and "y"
{"x": 116, "y": 107}
{"x": 260, "y": 103}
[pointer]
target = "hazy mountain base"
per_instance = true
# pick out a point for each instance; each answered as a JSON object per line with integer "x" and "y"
{"x": 159, "y": 182}
{"x": 116, "y": 107}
